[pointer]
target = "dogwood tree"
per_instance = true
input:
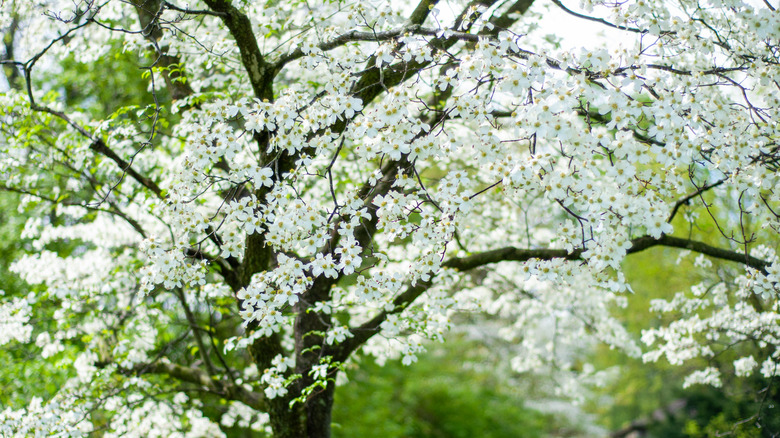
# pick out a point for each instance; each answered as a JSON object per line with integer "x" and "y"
{"x": 302, "y": 182}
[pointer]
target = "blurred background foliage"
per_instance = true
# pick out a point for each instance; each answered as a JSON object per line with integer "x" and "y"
{"x": 439, "y": 396}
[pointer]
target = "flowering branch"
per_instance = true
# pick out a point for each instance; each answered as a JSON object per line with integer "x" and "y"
{"x": 254, "y": 62}
{"x": 367, "y": 330}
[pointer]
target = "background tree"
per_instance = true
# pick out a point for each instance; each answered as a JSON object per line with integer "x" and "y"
{"x": 262, "y": 193}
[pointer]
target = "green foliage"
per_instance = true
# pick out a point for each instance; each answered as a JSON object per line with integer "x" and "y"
{"x": 107, "y": 83}
{"x": 442, "y": 398}
{"x": 710, "y": 412}
{"x": 643, "y": 392}
{"x": 24, "y": 374}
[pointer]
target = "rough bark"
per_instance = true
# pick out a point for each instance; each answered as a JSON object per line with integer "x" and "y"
{"x": 148, "y": 15}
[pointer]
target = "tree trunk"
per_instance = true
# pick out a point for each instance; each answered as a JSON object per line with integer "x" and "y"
{"x": 311, "y": 420}
{"x": 318, "y": 412}
{"x": 287, "y": 422}
{"x": 310, "y": 351}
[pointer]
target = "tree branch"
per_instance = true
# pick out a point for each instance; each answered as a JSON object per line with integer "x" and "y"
{"x": 149, "y": 12}
{"x": 509, "y": 17}
{"x": 645, "y": 242}
{"x": 173, "y": 7}
{"x": 685, "y": 200}
{"x": 97, "y": 144}
{"x": 260, "y": 75}
{"x": 9, "y": 38}
{"x": 596, "y": 20}
{"x": 115, "y": 211}
{"x": 201, "y": 378}
{"x": 204, "y": 354}
{"x": 367, "y": 330}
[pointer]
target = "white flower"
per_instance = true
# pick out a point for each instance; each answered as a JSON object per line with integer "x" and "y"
{"x": 262, "y": 176}
{"x": 282, "y": 363}
{"x": 707, "y": 376}
{"x": 769, "y": 368}
{"x": 323, "y": 265}
{"x": 337, "y": 334}
{"x": 14, "y": 318}
{"x": 744, "y": 367}
{"x": 319, "y": 371}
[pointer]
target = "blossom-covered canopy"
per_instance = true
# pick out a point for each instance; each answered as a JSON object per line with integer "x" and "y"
{"x": 298, "y": 182}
